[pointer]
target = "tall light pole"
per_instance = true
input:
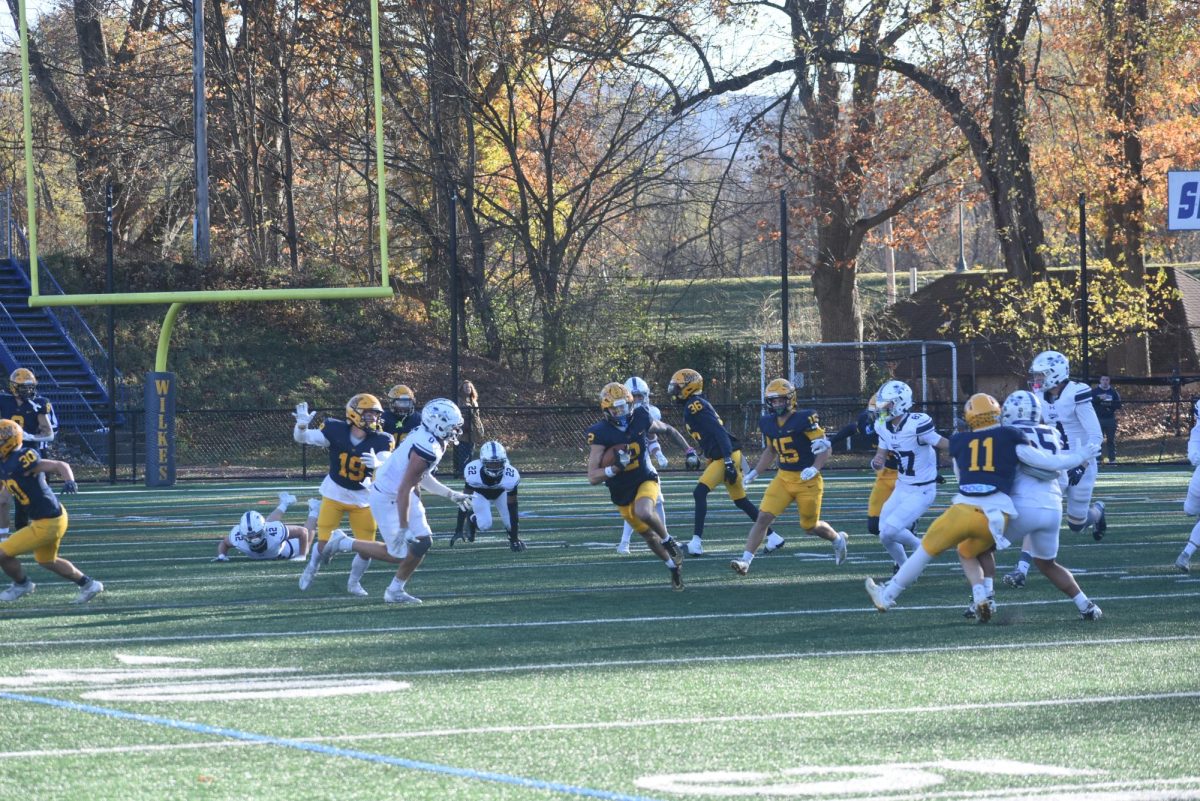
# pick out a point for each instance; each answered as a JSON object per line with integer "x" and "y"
{"x": 200, "y": 111}
{"x": 961, "y": 266}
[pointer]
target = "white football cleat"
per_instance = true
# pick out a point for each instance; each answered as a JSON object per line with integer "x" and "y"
{"x": 623, "y": 549}
{"x": 1183, "y": 564}
{"x": 88, "y": 592}
{"x": 1091, "y": 613}
{"x": 356, "y": 588}
{"x": 839, "y": 548}
{"x": 876, "y": 593}
{"x": 307, "y": 576}
{"x": 695, "y": 547}
{"x": 330, "y": 548}
{"x": 15, "y": 591}
{"x": 740, "y": 567}
{"x": 399, "y": 597}
{"x": 774, "y": 542}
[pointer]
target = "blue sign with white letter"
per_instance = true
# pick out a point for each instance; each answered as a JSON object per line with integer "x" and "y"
{"x": 1183, "y": 201}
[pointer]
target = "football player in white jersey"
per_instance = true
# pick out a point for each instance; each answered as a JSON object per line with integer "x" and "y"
{"x": 1067, "y": 405}
{"x": 912, "y": 440}
{"x": 269, "y": 537}
{"x": 1037, "y": 495}
{"x": 640, "y": 391}
{"x": 395, "y": 503}
{"x": 492, "y": 482}
{"x": 1191, "y": 504}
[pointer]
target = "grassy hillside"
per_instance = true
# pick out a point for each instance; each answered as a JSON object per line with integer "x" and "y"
{"x": 748, "y": 309}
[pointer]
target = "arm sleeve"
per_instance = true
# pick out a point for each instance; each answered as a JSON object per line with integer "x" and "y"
{"x": 1086, "y": 414}
{"x": 310, "y": 436}
{"x": 1039, "y": 459}
{"x": 512, "y": 513}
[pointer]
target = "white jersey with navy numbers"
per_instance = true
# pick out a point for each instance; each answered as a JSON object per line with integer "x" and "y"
{"x": 1072, "y": 411}
{"x": 420, "y": 442}
{"x": 912, "y": 443}
{"x": 1034, "y": 487}
{"x": 485, "y": 485}
{"x": 277, "y": 535}
{"x": 655, "y": 412}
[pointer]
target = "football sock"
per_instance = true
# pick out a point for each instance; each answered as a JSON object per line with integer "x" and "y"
{"x": 662, "y": 512}
{"x": 979, "y": 594}
{"x": 670, "y": 563}
{"x": 700, "y": 493}
{"x": 1193, "y": 541}
{"x": 747, "y": 557}
{"x": 346, "y": 545}
{"x": 357, "y": 568}
{"x": 314, "y": 552}
{"x": 1093, "y": 515}
{"x": 397, "y": 584}
{"x": 989, "y": 584}
{"x": 1024, "y": 561}
{"x": 626, "y": 534}
{"x": 1081, "y": 601}
{"x": 747, "y": 506}
{"x": 907, "y": 574}
{"x": 896, "y": 551}
{"x": 81, "y": 581}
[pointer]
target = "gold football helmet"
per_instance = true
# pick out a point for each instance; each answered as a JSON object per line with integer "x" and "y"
{"x": 684, "y": 384}
{"x": 981, "y": 411}
{"x": 402, "y": 399}
{"x": 11, "y": 437}
{"x": 616, "y": 402}
{"x": 22, "y": 383}
{"x": 364, "y": 411}
{"x": 780, "y": 397}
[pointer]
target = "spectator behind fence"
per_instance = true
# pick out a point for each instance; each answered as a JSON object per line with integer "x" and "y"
{"x": 1107, "y": 401}
{"x": 472, "y": 433}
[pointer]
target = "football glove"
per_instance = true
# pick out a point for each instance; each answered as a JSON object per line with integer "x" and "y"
{"x": 70, "y": 488}
{"x": 1075, "y": 474}
{"x": 286, "y": 498}
{"x": 661, "y": 458}
{"x": 691, "y": 459}
{"x": 373, "y": 461}
{"x": 461, "y": 499}
{"x": 730, "y": 471}
{"x": 303, "y": 415}
{"x": 809, "y": 473}
{"x": 623, "y": 458}
{"x": 820, "y": 445}
{"x": 220, "y": 558}
{"x": 749, "y": 476}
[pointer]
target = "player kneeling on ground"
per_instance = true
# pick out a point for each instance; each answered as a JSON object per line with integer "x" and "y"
{"x": 23, "y": 471}
{"x": 492, "y": 483}
{"x": 396, "y": 504}
{"x": 267, "y": 537}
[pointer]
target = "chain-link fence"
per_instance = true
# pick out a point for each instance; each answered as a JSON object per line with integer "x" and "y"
{"x": 257, "y": 443}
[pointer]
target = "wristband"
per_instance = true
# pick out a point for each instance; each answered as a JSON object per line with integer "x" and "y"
{"x": 611, "y": 471}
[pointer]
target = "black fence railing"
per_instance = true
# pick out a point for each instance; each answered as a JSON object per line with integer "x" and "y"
{"x": 258, "y": 444}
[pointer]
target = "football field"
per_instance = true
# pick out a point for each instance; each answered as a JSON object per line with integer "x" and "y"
{"x": 569, "y": 671}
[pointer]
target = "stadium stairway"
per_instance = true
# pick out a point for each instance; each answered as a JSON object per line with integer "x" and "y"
{"x": 52, "y": 342}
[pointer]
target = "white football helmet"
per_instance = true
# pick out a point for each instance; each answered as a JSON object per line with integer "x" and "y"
{"x": 1021, "y": 405}
{"x": 1196, "y": 410}
{"x": 639, "y": 389}
{"x": 253, "y": 526}
{"x": 494, "y": 459}
{"x": 1049, "y": 369}
{"x": 894, "y": 399}
{"x": 442, "y": 418}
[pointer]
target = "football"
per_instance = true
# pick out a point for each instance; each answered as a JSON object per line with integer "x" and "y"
{"x": 610, "y": 455}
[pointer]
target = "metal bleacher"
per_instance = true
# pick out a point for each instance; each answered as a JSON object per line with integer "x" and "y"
{"x": 59, "y": 347}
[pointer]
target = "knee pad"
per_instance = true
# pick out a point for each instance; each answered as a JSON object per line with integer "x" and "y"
{"x": 420, "y": 546}
{"x": 873, "y": 525}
